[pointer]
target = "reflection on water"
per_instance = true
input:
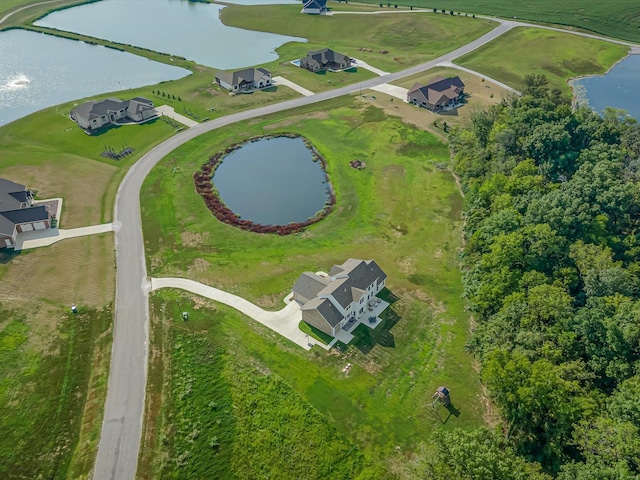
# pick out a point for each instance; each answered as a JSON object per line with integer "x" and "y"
{"x": 617, "y": 88}
{"x": 39, "y": 71}
{"x": 188, "y": 29}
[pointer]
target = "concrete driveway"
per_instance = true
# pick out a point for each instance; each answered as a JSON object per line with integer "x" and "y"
{"x": 284, "y": 322}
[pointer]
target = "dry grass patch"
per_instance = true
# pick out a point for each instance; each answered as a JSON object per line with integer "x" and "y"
{"x": 80, "y": 182}
{"x": 77, "y": 270}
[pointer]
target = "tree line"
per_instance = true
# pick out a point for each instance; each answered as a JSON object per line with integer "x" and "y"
{"x": 552, "y": 275}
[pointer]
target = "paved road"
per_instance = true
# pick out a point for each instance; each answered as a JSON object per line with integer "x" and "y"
{"x": 122, "y": 425}
{"x": 4, "y": 19}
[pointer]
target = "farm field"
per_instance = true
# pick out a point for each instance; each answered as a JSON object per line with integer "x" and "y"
{"x": 406, "y": 39}
{"x": 619, "y": 19}
{"x": 403, "y": 211}
{"x": 559, "y": 56}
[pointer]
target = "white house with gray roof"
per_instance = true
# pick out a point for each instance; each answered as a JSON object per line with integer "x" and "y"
{"x": 245, "y": 80}
{"x": 18, "y": 213}
{"x": 329, "y": 303}
{"x": 112, "y": 111}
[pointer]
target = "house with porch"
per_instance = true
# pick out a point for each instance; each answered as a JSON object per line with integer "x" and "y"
{"x": 93, "y": 115}
{"x": 246, "y": 80}
{"x": 19, "y": 213}
{"x": 341, "y": 298}
{"x": 438, "y": 94}
{"x": 325, "y": 59}
{"x": 314, "y": 7}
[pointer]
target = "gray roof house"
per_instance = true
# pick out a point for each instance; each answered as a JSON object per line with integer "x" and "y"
{"x": 18, "y": 213}
{"x": 325, "y": 59}
{"x": 245, "y": 80}
{"x": 93, "y": 115}
{"x": 329, "y": 303}
{"x": 438, "y": 94}
{"x": 314, "y": 7}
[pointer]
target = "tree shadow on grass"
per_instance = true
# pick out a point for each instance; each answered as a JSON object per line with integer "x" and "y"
{"x": 8, "y": 254}
{"x": 365, "y": 338}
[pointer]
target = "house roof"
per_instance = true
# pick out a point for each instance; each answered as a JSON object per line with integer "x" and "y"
{"x": 325, "y": 56}
{"x": 240, "y": 77}
{"x": 9, "y": 219}
{"x": 309, "y": 284}
{"x": 12, "y": 195}
{"x": 139, "y": 104}
{"x": 313, "y": 4}
{"x": 328, "y": 311}
{"x": 351, "y": 279}
{"x": 438, "y": 89}
{"x": 92, "y": 109}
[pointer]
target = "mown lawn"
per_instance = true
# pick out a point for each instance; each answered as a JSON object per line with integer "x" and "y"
{"x": 52, "y": 387}
{"x": 559, "y": 56}
{"x": 619, "y": 19}
{"x": 402, "y": 211}
{"x": 407, "y": 39}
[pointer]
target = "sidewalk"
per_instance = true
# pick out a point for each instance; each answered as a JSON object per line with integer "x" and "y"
{"x": 294, "y": 86}
{"x": 284, "y": 322}
{"x": 44, "y": 238}
{"x": 168, "y": 111}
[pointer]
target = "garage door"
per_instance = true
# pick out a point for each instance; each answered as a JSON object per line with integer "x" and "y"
{"x": 27, "y": 227}
{"x": 40, "y": 225}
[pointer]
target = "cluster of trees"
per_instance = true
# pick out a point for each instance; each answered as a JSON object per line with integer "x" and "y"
{"x": 552, "y": 273}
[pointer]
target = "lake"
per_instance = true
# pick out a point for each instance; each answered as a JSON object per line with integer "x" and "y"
{"x": 39, "y": 71}
{"x": 272, "y": 181}
{"x": 618, "y": 88}
{"x": 176, "y": 27}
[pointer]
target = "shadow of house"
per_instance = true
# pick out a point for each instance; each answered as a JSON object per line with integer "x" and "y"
{"x": 365, "y": 338}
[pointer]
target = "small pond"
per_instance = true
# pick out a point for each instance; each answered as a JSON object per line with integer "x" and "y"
{"x": 39, "y": 71}
{"x": 177, "y": 27}
{"x": 618, "y": 88}
{"x": 272, "y": 181}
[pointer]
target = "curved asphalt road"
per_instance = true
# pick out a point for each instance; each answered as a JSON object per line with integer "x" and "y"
{"x": 122, "y": 426}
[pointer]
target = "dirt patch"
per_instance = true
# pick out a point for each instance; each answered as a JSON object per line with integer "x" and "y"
{"x": 396, "y": 171}
{"x": 199, "y": 265}
{"x": 193, "y": 239}
{"x": 294, "y": 120}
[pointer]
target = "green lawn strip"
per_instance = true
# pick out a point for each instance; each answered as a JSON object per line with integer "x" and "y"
{"x": 315, "y": 333}
{"x": 400, "y": 210}
{"x": 409, "y": 39}
{"x": 559, "y": 56}
{"x": 42, "y": 395}
{"x": 619, "y": 19}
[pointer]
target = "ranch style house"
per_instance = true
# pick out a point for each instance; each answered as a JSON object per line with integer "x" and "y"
{"x": 112, "y": 111}
{"x": 329, "y": 302}
{"x": 439, "y": 94}
{"x": 18, "y": 213}
{"x": 245, "y": 80}
{"x": 314, "y": 7}
{"x": 325, "y": 59}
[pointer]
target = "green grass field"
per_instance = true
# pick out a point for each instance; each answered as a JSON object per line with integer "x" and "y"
{"x": 402, "y": 210}
{"x": 619, "y": 19}
{"x": 559, "y": 56}
{"x": 51, "y": 394}
{"x": 407, "y": 39}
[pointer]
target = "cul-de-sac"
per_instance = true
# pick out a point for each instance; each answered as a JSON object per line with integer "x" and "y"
{"x": 319, "y": 240}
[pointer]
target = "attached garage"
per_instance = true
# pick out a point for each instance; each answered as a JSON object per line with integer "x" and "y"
{"x": 25, "y": 227}
{"x": 39, "y": 225}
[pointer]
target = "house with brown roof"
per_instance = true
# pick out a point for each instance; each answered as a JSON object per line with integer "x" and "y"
{"x": 246, "y": 80}
{"x": 325, "y": 59}
{"x": 19, "y": 213}
{"x": 439, "y": 94}
{"x": 93, "y": 115}
{"x": 331, "y": 303}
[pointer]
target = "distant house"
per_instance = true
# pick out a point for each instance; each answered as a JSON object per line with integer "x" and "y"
{"x": 314, "y": 7}
{"x": 93, "y": 115}
{"x": 440, "y": 93}
{"x": 325, "y": 59}
{"x": 245, "y": 80}
{"x": 18, "y": 213}
{"x": 328, "y": 303}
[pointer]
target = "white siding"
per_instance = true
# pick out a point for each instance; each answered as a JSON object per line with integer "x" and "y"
{"x": 40, "y": 225}
{"x": 26, "y": 227}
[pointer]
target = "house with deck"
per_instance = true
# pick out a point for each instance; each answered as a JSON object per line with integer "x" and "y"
{"x": 339, "y": 299}
{"x": 325, "y": 59}
{"x": 243, "y": 81}
{"x": 93, "y": 115}
{"x": 19, "y": 213}
{"x": 314, "y": 7}
{"x": 438, "y": 94}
